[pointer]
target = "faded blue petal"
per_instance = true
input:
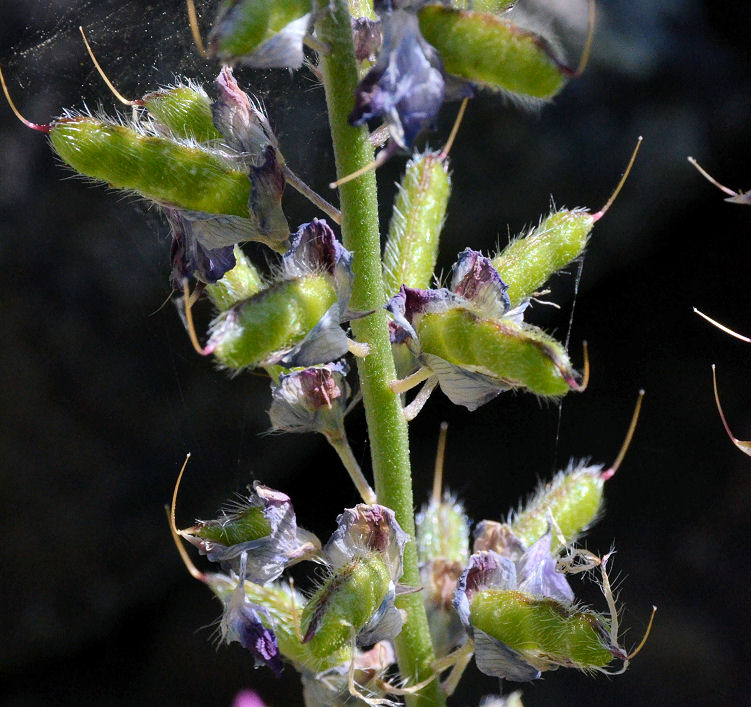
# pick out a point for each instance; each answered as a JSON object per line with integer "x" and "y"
{"x": 463, "y": 386}
{"x": 365, "y": 529}
{"x": 190, "y": 257}
{"x": 241, "y": 623}
{"x": 284, "y": 50}
{"x": 406, "y": 85}
{"x": 485, "y": 570}
{"x": 267, "y": 557}
{"x": 385, "y": 624}
{"x": 326, "y": 341}
{"x": 537, "y": 575}
{"x": 311, "y": 400}
{"x": 475, "y": 279}
{"x": 498, "y": 660}
{"x": 242, "y": 123}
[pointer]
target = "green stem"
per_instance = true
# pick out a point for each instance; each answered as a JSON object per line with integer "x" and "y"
{"x": 386, "y": 424}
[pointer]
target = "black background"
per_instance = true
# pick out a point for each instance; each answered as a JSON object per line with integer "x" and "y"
{"x": 102, "y": 395}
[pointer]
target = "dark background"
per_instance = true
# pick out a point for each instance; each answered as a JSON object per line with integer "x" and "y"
{"x": 102, "y": 395}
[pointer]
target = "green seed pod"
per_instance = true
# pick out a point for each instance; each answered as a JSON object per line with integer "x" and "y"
{"x": 283, "y": 606}
{"x": 518, "y": 354}
{"x": 574, "y": 500}
{"x": 185, "y": 110}
{"x": 412, "y": 246}
{"x": 248, "y": 525}
{"x": 238, "y": 284}
{"x": 157, "y": 168}
{"x": 275, "y": 319}
{"x": 345, "y": 603}
{"x": 528, "y": 262}
{"x": 488, "y": 50}
{"x": 443, "y": 531}
{"x": 242, "y": 26}
{"x": 545, "y": 632}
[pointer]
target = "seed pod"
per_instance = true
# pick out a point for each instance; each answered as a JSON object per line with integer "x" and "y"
{"x": 442, "y": 538}
{"x": 239, "y": 283}
{"x": 494, "y": 52}
{"x": 185, "y": 110}
{"x": 282, "y": 606}
{"x": 260, "y": 532}
{"x": 344, "y": 603}
{"x": 365, "y": 555}
{"x": 544, "y": 632}
{"x": 251, "y": 332}
{"x": 244, "y": 29}
{"x": 573, "y": 498}
{"x": 528, "y": 262}
{"x": 520, "y": 355}
{"x": 157, "y": 168}
{"x": 412, "y": 247}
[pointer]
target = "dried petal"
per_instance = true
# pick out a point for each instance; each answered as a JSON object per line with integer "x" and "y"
{"x": 475, "y": 279}
{"x": 311, "y": 400}
{"x": 264, "y": 528}
{"x": 406, "y": 85}
{"x": 366, "y": 529}
{"x": 241, "y": 622}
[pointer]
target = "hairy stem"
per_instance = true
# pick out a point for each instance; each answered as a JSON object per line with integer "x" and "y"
{"x": 386, "y": 424}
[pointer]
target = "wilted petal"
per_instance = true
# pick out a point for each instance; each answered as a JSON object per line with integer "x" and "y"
{"x": 311, "y": 400}
{"x": 268, "y": 555}
{"x": 243, "y": 124}
{"x": 485, "y": 570}
{"x": 314, "y": 248}
{"x": 498, "y": 660}
{"x": 385, "y": 624}
{"x": 190, "y": 257}
{"x": 365, "y": 529}
{"x": 537, "y": 575}
{"x": 241, "y": 622}
{"x": 478, "y": 281}
{"x": 406, "y": 85}
{"x": 284, "y": 50}
{"x": 463, "y": 386}
{"x": 368, "y": 35}
{"x": 491, "y": 535}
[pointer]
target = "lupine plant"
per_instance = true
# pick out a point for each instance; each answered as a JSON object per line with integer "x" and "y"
{"x": 403, "y": 604}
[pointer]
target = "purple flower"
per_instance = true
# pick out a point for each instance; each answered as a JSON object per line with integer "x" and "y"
{"x": 406, "y": 85}
{"x": 242, "y": 623}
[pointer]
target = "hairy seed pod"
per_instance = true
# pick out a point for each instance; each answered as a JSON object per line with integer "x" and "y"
{"x": 345, "y": 603}
{"x": 248, "y": 525}
{"x": 494, "y": 52}
{"x": 412, "y": 246}
{"x": 185, "y": 111}
{"x": 243, "y": 25}
{"x": 545, "y": 632}
{"x": 157, "y": 168}
{"x": 527, "y": 263}
{"x": 573, "y": 498}
{"x": 518, "y": 354}
{"x": 238, "y": 284}
{"x": 272, "y": 320}
{"x": 442, "y": 531}
{"x": 282, "y": 606}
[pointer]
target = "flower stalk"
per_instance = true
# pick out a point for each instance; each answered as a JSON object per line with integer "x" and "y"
{"x": 386, "y": 423}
